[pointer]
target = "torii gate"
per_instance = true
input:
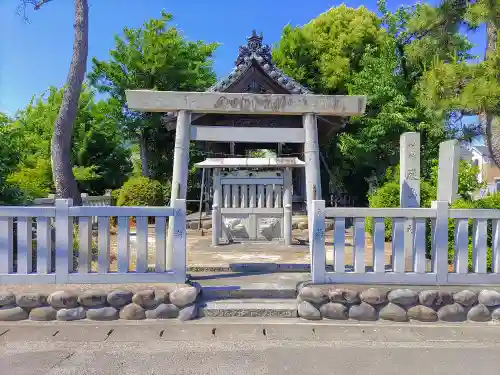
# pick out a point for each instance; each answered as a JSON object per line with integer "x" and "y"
{"x": 186, "y": 103}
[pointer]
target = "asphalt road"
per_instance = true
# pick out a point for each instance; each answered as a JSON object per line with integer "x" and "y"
{"x": 249, "y": 348}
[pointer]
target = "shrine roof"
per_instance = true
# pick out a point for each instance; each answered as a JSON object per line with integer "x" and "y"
{"x": 250, "y": 162}
{"x": 260, "y": 54}
{"x": 251, "y": 54}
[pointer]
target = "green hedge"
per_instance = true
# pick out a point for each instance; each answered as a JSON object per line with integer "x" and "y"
{"x": 141, "y": 191}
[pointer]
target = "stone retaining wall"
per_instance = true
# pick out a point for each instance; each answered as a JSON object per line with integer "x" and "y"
{"x": 399, "y": 305}
{"x": 175, "y": 302}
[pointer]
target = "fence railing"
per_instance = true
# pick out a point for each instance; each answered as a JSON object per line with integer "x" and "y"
{"x": 475, "y": 255}
{"x": 87, "y": 200}
{"x": 57, "y": 245}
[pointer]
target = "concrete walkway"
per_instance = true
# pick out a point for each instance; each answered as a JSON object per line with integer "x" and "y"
{"x": 202, "y": 255}
{"x": 249, "y": 347}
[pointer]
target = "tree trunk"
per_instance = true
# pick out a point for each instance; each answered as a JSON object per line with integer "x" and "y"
{"x": 491, "y": 122}
{"x": 62, "y": 172}
{"x": 143, "y": 150}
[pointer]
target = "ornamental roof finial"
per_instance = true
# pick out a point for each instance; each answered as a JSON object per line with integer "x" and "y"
{"x": 254, "y": 47}
{"x": 255, "y": 41}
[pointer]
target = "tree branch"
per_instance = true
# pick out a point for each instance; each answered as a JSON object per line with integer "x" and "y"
{"x": 22, "y": 9}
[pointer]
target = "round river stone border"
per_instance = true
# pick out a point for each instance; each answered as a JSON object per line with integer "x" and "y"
{"x": 316, "y": 302}
{"x": 179, "y": 302}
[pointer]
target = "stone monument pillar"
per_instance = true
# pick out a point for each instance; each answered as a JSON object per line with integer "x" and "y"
{"x": 409, "y": 180}
{"x": 449, "y": 162}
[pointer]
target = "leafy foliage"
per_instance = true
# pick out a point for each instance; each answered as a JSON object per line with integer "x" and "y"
{"x": 467, "y": 179}
{"x": 352, "y": 51}
{"x": 387, "y": 195}
{"x": 323, "y": 53}
{"x": 153, "y": 56}
{"x": 98, "y": 151}
{"x": 10, "y": 147}
{"x": 141, "y": 191}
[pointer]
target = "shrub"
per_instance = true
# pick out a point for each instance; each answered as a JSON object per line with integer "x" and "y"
{"x": 167, "y": 188}
{"x": 115, "y": 194}
{"x": 141, "y": 191}
{"x": 388, "y": 196}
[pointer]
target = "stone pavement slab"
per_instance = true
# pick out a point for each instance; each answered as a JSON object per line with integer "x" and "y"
{"x": 264, "y": 346}
{"x": 136, "y": 333}
{"x": 29, "y": 333}
{"x": 30, "y": 363}
{"x": 87, "y": 333}
{"x": 56, "y": 332}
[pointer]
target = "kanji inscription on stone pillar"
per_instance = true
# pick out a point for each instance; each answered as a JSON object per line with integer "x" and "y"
{"x": 409, "y": 180}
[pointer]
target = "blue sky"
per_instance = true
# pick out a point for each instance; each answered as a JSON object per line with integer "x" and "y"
{"x": 35, "y": 56}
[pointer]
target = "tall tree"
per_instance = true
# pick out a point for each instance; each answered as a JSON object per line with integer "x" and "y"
{"x": 353, "y": 51}
{"x": 153, "y": 56}
{"x": 323, "y": 53}
{"x": 469, "y": 87}
{"x": 65, "y": 183}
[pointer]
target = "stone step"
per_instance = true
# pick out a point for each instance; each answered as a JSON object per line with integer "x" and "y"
{"x": 237, "y": 285}
{"x": 252, "y": 267}
{"x": 283, "y": 308}
{"x": 249, "y": 291}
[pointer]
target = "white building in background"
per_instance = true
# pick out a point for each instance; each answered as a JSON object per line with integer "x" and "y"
{"x": 488, "y": 171}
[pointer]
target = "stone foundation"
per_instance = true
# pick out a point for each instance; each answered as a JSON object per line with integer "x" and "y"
{"x": 399, "y": 305}
{"x": 177, "y": 302}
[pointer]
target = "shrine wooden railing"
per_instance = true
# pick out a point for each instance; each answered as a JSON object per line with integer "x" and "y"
{"x": 443, "y": 250}
{"x": 57, "y": 244}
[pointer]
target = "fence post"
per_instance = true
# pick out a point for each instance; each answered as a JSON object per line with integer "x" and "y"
{"x": 287, "y": 224}
{"x": 179, "y": 244}
{"x": 109, "y": 197}
{"x": 287, "y": 205}
{"x": 317, "y": 241}
{"x": 440, "y": 242}
{"x": 85, "y": 199}
{"x": 215, "y": 225}
{"x": 6, "y": 245}
{"x": 64, "y": 240}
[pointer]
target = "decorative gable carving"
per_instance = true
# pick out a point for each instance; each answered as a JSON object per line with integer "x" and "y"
{"x": 259, "y": 54}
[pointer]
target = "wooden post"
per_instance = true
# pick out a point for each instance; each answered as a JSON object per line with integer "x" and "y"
{"x": 216, "y": 217}
{"x": 180, "y": 173}
{"x": 64, "y": 240}
{"x": 179, "y": 258}
{"x": 409, "y": 189}
{"x": 216, "y": 224}
{"x": 439, "y": 251}
{"x": 311, "y": 158}
{"x": 317, "y": 241}
{"x": 287, "y": 204}
{"x": 6, "y": 245}
{"x": 202, "y": 196}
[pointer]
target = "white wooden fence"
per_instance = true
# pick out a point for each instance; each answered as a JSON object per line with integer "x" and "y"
{"x": 87, "y": 200}
{"x": 36, "y": 225}
{"x": 397, "y": 273}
